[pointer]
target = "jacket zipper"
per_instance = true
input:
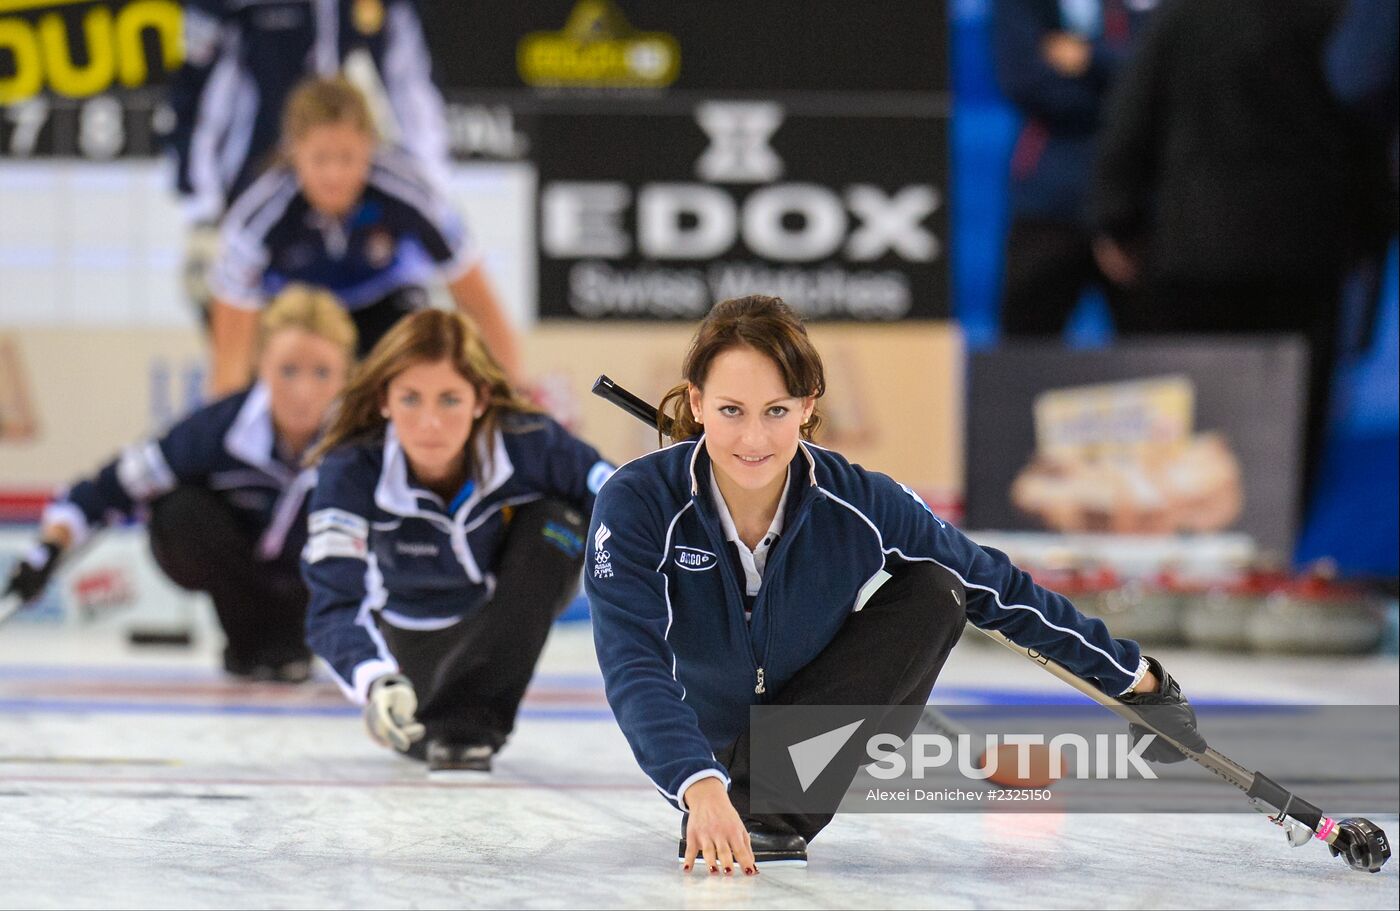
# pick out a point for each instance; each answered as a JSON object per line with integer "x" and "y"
{"x": 736, "y": 594}
{"x": 783, "y": 543}
{"x": 760, "y": 686}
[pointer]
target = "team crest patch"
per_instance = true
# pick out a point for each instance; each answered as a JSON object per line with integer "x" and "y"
{"x": 368, "y": 16}
{"x": 693, "y": 559}
{"x": 379, "y": 248}
{"x": 602, "y": 560}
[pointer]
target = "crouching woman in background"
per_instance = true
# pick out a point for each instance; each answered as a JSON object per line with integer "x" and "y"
{"x": 225, "y": 490}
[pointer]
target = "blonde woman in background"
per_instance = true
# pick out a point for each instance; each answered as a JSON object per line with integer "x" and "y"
{"x": 349, "y": 214}
{"x": 224, "y": 492}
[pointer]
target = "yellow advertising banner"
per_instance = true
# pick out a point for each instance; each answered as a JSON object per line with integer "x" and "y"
{"x": 82, "y": 48}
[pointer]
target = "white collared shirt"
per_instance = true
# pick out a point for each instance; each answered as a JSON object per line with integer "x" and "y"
{"x": 753, "y": 560}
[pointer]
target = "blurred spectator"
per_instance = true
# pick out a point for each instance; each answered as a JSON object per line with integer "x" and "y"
{"x": 1055, "y": 60}
{"x": 1363, "y": 64}
{"x": 242, "y": 60}
{"x": 1231, "y": 187}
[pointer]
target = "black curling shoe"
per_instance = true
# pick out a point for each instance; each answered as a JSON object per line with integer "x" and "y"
{"x": 771, "y": 848}
{"x": 278, "y": 668}
{"x": 445, "y": 757}
{"x": 295, "y": 671}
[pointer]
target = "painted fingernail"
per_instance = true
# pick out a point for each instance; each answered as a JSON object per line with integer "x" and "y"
{"x": 714, "y": 871}
{"x": 687, "y": 867}
{"x": 728, "y": 871}
{"x": 751, "y": 871}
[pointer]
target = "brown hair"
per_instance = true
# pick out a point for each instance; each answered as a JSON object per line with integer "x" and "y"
{"x": 324, "y": 100}
{"x": 768, "y": 326}
{"x": 310, "y": 309}
{"x": 424, "y": 337}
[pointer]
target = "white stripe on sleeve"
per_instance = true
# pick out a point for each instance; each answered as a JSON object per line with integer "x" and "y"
{"x": 417, "y": 104}
{"x": 143, "y": 472}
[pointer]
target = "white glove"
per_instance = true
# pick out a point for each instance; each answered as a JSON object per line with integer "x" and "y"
{"x": 389, "y": 712}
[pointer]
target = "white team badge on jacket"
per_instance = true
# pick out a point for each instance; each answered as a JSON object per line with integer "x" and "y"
{"x": 602, "y": 560}
{"x": 694, "y": 559}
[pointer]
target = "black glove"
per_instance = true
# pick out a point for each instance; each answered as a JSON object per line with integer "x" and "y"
{"x": 30, "y": 575}
{"x": 1169, "y": 712}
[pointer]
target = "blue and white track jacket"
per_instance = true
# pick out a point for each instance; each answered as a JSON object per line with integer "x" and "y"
{"x": 680, "y": 663}
{"x": 380, "y": 543}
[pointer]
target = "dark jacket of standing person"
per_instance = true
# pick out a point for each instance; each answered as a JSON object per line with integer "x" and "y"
{"x": 1363, "y": 69}
{"x": 1225, "y": 157}
{"x": 1054, "y": 153}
